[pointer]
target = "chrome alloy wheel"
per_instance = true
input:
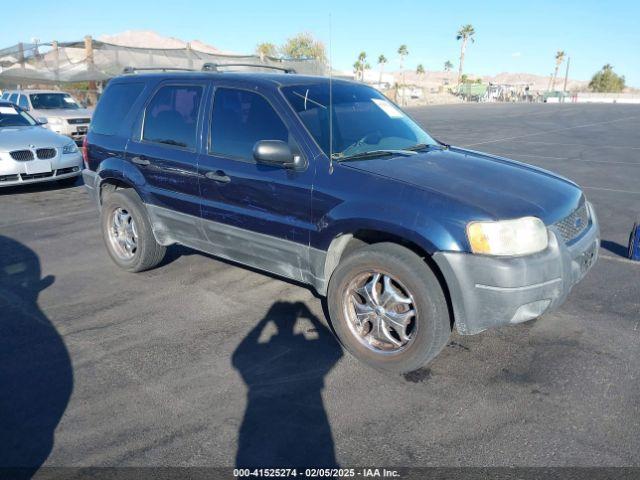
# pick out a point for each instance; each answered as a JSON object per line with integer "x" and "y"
{"x": 380, "y": 312}
{"x": 122, "y": 234}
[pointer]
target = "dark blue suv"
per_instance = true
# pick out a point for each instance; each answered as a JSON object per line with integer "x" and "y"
{"x": 330, "y": 184}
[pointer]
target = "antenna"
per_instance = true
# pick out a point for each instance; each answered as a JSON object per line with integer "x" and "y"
{"x": 330, "y": 99}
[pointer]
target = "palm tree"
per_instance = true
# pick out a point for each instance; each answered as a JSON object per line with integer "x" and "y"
{"x": 403, "y": 51}
{"x": 356, "y": 69}
{"x": 381, "y": 61}
{"x": 465, "y": 34}
{"x": 360, "y": 65}
{"x": 367, "y": 66}
{"x": 559, "y": 59}
{"x": 448, "y": 66}
{"x": 420, "y": 71}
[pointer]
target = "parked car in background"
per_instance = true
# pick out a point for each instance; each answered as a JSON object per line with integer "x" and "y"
{"x": 30, "y": 153}
{"x": 333, "y": 185}
{"x": 63, "y": 113}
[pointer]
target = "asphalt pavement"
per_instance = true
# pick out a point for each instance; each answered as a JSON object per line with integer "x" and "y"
{"x": 202, "y": 363}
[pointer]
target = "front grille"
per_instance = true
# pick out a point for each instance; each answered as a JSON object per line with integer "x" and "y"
{"x": 46, "y": 153}
{"x": 573, "y": 224}
{"x": 22, "y": 155}
{"x": 76, "y": 121}
{"x": 33, "y": 176}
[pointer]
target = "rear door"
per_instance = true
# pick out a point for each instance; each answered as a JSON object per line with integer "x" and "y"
{"x": 256, "y": 214}
{"x": 165, "y": 150}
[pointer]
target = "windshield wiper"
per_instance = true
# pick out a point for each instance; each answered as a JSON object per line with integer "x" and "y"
{"x": 424, "y": 146}
{"x": 340, "y": 157}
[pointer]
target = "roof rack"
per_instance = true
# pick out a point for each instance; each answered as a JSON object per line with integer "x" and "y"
{"x": 213, "y": 67}
{"x": 127, "y": 70}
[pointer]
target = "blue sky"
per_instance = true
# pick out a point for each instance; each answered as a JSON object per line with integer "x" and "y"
{"x": 511, "y": 36}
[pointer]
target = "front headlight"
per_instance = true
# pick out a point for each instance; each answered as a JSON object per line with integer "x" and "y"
{"x": 54, "y": 120}
{"x": 70, "y": 147}
{"x": 521, "y": 236}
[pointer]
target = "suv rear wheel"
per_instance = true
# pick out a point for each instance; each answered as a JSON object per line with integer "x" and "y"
{"x": 127, "y": 232}
{"x": 387, "y": 308}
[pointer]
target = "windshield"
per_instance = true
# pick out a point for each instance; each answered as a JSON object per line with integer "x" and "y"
{"x": 45, "y": 101}
{"x": 363, "y": 119}
{"x": 12, "y": 117}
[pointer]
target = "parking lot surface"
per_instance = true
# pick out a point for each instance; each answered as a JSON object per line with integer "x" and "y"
{"x": 203, "y": 363}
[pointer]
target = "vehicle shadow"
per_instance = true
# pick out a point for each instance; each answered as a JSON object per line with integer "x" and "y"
{"x": 174, "y": 252}
{"x": 615, "y": 248}
{"x": 36, "y": 377}
{"x": 41, "y": 187}
{"x": 285, "y": 423}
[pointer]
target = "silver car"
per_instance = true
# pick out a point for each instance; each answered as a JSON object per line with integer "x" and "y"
{"x": 63, "y": 113}
{"x": 30, "y": 153}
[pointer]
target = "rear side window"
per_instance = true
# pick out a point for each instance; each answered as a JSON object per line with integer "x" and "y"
{"x": 23, "y": 102}
{"x": 171, "y": 118}
{"x": 114, "y": 105}
{"x": 240, "y": 119}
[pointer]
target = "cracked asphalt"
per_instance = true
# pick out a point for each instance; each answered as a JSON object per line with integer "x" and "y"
{"x": 203, "y": 363}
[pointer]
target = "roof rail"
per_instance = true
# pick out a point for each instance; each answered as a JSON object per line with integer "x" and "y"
{"x": 213, "y": 67}
{"x": 127, "y": 70}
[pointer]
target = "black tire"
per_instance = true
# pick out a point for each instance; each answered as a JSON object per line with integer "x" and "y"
{"x": 148, "y": 253}
{"x": 432, "y": 325}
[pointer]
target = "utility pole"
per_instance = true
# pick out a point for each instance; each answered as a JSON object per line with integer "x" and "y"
{"x": 566, "y": 75}
{"x": 88, "y": 49}
{"x": 56, "y": 60}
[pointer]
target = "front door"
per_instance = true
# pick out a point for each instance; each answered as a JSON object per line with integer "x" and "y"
{"x": 252, "y": 213}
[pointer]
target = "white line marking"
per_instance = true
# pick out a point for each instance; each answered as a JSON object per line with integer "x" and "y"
{"x": 41, "y": 219}
{"x": 513, "y": 154}
{"x": 620, "y": 259}
{"x": 528, "y": 155}
{"x": 578, "y": 145}
{"x": 611, "y": 190}
{"x": 551, "y": 131}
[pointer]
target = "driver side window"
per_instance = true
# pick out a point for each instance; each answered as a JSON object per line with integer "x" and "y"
{"x": 241, "y": 118}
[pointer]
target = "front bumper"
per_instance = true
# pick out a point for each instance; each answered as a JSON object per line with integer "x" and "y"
{"x": 63, "y": 166}
{"x": 75, "y": 131}
{"x": 492, "y": 291}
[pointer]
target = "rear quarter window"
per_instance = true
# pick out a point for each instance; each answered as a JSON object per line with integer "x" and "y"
{"x": 114, "y": 105}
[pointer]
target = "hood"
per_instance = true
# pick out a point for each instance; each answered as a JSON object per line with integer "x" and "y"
{"x": 18, "y": 138}
{"x": 500, "y": 187}
{"x": 62, "y": 113}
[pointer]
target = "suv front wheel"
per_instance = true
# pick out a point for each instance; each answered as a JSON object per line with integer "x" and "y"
{"x": 388, "y": 308}
{"x": 127, "y": 232}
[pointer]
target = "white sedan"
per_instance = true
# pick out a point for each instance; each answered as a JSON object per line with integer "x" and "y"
{"x": 30, "y": 153}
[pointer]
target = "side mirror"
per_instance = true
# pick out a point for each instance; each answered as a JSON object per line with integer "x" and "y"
{"x": 43, "y": 120}
{"x": 276, "y": 153}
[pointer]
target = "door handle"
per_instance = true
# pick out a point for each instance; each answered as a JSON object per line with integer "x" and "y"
{"x": 140, "y": 161}
{"x": 218, "y": 176}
